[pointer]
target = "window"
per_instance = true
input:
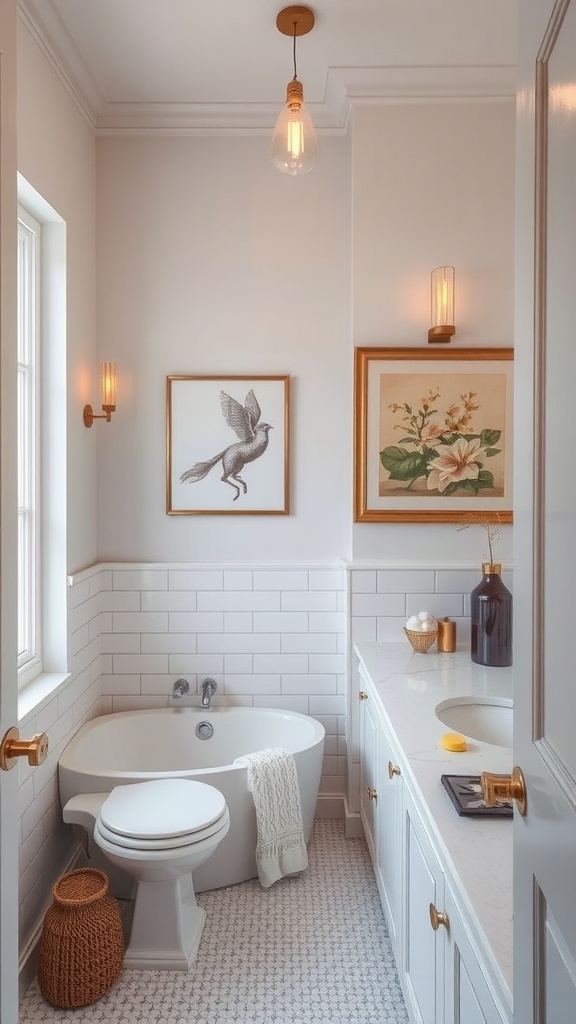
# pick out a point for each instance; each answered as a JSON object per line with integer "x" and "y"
{"x": 29, "y": 483}
{"x": 41, "y": 439}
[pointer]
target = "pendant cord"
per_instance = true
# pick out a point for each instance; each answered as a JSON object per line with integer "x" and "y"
{"x": 294, "y": 53}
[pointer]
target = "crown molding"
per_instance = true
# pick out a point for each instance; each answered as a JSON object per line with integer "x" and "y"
{"x": 377, "y": 84}
{"x": 345, "y": 87}
{"x": 53, "y": 39}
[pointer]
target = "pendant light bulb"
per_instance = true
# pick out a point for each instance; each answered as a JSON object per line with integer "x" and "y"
{"x": 294, "y": 144}
{"x": 294, "y": 148}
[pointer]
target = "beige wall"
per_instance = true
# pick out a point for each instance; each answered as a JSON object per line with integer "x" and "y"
{"x": 433, "y": 185}
{"x": 56, "y": 155}
{"x": 211, "y": 262}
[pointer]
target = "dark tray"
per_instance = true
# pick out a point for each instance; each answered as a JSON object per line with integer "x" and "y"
{"x": 465, "y": 793}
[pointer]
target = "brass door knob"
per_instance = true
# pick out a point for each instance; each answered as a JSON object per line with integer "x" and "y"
{"x": 12, "y": 747}
{"x": 362, "y": 695}
{"x": 498, "y": 788}
{"x": 437, "y": 918}
{"x": 371, "y": 794}
{"x": 393, "y": 770}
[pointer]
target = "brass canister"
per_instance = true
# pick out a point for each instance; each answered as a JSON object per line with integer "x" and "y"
{"x": 446, "y": 635}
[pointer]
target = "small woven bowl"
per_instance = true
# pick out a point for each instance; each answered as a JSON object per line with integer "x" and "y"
{"x": 421, "y": 642}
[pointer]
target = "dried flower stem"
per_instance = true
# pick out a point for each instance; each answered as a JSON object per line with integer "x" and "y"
{"x": 489, "y": 521}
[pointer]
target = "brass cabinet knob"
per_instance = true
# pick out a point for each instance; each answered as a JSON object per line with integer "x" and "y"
{"x": 12, "y": 747}
{"x": 498, "y": 788}
{"x": 438, "y": 917}
{"x": 362, "y": 695}
{"x": 371, "y": 794}
{"x": 393, "y": 770}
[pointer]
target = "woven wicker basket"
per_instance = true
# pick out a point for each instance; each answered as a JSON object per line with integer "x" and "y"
{"x": 421, "y": 642}
{"x": 82, "y": 945}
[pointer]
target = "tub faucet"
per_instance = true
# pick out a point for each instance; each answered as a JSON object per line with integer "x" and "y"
{"x": 181, "y": 686}
{"x": 208, "y": 688}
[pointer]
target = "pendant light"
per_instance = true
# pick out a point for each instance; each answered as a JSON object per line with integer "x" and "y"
{"x": 294, "y": 143}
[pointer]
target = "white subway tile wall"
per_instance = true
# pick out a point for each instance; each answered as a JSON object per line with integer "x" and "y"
{"x": 276, "y": 637}
{"x": 382, "y": 599}
{"x": 45, "y": 842}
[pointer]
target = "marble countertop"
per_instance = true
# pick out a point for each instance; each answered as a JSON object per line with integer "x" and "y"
{"x": 477, "y": 852}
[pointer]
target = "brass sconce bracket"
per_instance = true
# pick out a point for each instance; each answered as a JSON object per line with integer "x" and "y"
{"x": 89, "y": 415}
{"x": 440, "y": 334}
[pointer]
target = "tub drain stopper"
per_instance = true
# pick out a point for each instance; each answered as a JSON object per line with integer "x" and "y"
{"x": 204, "y": 730}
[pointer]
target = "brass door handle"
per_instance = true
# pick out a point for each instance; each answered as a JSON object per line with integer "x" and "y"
{"x": 362, "y": 695}
{"x": 393, "y": 770}
{"x": 12, "y": 747}
{"x": 438, "y": 917}
{"x": 498, "y": 788}
{"x": 371, "y": 794}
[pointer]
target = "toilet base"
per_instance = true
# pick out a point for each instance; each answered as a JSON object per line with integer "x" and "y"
{"x": 167, "y": 926}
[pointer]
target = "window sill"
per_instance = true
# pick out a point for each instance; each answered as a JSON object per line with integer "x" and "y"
{"x": 39, "y": 692}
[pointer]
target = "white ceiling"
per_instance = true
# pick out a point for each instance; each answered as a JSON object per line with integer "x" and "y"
{"x": 222, "y": 66}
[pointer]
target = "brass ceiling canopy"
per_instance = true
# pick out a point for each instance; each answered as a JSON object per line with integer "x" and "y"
{"x": 295, "y": 21}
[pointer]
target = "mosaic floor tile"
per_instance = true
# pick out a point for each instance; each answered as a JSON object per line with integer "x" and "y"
{"x": 310, "y": 950}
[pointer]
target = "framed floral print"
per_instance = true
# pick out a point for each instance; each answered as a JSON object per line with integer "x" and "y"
{"x": 432, "y": 434}
{"x": 227, "y": 445}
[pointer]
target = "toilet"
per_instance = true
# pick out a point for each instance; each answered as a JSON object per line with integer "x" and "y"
{"x": 159, "y": 832}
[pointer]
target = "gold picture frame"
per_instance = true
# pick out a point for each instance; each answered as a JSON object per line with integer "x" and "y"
{"x": 432, "y": 434}
{"x": 227, "y": 445}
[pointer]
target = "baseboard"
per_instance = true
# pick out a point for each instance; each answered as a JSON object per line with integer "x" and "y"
{"x": 329, "y": 806}
{"x": 353, "y": 828}
{"x": 30, "y": 953}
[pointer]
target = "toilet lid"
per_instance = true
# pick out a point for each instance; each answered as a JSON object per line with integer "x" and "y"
{"x": 172, "y": 843}
{"x": 161, "y": 808}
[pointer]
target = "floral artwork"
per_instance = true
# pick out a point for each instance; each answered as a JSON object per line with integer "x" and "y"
{"x": 446, "y": 441}
{"x": 433, "y": 434}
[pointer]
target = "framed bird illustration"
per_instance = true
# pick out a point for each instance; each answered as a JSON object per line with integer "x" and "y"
{"x": 227, "y": 444}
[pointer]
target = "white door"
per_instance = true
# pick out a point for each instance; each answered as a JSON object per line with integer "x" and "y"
{"x": 545, "y": 516}
{"x": 8, "y": 528}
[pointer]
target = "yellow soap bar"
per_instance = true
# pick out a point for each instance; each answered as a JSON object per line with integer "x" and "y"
{"x": 453, "y": 741}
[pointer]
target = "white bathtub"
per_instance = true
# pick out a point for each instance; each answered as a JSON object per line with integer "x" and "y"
{"x": 132, "y": 746}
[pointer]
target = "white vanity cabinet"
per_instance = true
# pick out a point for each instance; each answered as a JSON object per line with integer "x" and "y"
{"x": 421, "y": 954}
{"x": 369, "y": 809}
{"x": 467, "y": 995}
{"x": 381, "y": 807}
{"x": 443, "y": 979}
{"x": 437, "y": 947}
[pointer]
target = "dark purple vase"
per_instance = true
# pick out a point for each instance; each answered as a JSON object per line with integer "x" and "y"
{"x": 491, "y": 619}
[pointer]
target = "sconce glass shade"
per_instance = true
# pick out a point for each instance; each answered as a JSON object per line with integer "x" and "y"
{"x": 294, "y": 147}
{"x": 108, "y": 383}
{"x": 442, "y": 311}
{"x": 108, "y": 390}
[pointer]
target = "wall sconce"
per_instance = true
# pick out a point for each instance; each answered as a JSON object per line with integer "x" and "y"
{"x": 294, "y": 144}
{"x": 442, "y": 327}
{"x": 108, "y": 387}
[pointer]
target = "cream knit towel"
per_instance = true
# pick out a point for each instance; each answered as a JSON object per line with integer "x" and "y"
{"x": 273, "y": 782}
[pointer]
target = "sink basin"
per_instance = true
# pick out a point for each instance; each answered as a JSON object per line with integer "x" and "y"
{"x": 486, "y": 719}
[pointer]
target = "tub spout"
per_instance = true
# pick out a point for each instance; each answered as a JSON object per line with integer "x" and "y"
{"x": 181, "y": 686}
{"x": 208, "y": 688}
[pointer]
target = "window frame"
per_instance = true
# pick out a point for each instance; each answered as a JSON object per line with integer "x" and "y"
{"x": 35, "y": 685}
{"x": 30, "y": 659}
